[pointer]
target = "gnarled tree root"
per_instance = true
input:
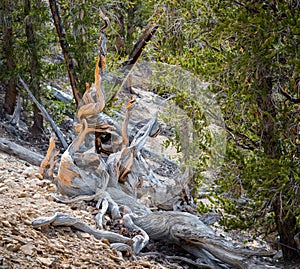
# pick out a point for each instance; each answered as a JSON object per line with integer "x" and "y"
{"x": 61, "y": 219}
{"x": 120, "y": 242}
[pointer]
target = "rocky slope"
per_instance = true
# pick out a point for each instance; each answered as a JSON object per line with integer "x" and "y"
{"x": 24, "y": 197}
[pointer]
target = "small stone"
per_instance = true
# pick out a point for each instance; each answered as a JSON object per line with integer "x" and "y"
{"x": 6, "y": 223}
{"x": 85, "y": 235}
{"x": 3, "y": 265}
{"x": 13, "y": 247}
{"x": 51, "y": 188}
{"x": 27, "y": 222}
{"x": 68, "y": 229}
{"x": 28, "y": 249}
{"x": 45, "y": 261}
{"x": 105, "y": 241}
{"x": 37, "y": 195}
{"x": 3, "y": 189}
{"x": 29, "y": 171}
{"x": 23, "y": 194}
{"x": 86, "y": 258}
{"x": 31, "y": 232}
{"x": 39, "y": 176}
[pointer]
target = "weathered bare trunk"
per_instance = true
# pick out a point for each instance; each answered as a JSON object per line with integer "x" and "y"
{"x": 45, "y": 114}
{"x": 119, "y": 180}
{"x": 116, "y": 180}
{"x": 8, "y": 41}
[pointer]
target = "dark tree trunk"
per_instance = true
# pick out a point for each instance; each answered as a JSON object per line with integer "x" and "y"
{"x": 266, "y": 104}
{"x": 120, "y": 44}
{"x": 286, "y": 225}
{"x": 131, "y": 16}
{"x": 8, "y": 41}
{"x": 35, "y": 74}
{"x": 64, "y": 46}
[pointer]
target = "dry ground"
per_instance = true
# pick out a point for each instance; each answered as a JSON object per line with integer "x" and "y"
{"x": 24, "y": 197}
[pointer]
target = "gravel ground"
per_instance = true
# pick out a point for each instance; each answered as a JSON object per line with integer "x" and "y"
{"x": 23, "y": 198}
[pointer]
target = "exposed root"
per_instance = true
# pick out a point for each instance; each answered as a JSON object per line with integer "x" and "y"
{"x": 140, "y": 241}
{"x": 75, "y": 199}
{"x": 61, "y": 219}
{"x": 124, "y": 248}
{"x": 103, "y": 203}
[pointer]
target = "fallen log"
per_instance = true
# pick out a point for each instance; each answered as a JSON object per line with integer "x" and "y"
{"x": 58, "y": 94}
{"x": 189, "y": 232}
{"x": 22, "y": 153}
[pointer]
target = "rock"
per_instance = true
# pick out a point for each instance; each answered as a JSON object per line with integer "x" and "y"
{"x": 51, "y": 188}
{"x": 29, "y": 171}
{"x": 3, "y": 189}
{"x": 27, "y": 222}
{"x": 6, "y": 223}
{"x": 28, "y": 249}
{"x": 85, "y": 235}
{"x": 37, "y": 196}
{"x": 45, "y": 261}
{"x": 39, "y": 176}
{"x": 66, "y": 266}
{"x": 13, "y": 247}
{"x": 3, "y": 265}
{"x": 23, "y": 195}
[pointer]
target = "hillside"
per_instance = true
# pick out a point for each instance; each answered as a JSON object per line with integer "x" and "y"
{"x": 24, "y": 197}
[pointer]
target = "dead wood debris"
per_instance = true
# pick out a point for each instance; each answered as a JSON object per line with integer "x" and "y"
{"x": 113, "y": 182}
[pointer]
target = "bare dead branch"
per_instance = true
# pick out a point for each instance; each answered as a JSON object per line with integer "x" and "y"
{"x": 251, "y": 144}
{"x": 141, "y": 43}
{"x": 136, "y": 53}
{"x": 45, "y": 114}
{"x": 289, "y": 97}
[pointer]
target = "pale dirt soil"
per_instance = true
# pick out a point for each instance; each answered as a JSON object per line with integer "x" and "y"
{"x": 23, "y": 198}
